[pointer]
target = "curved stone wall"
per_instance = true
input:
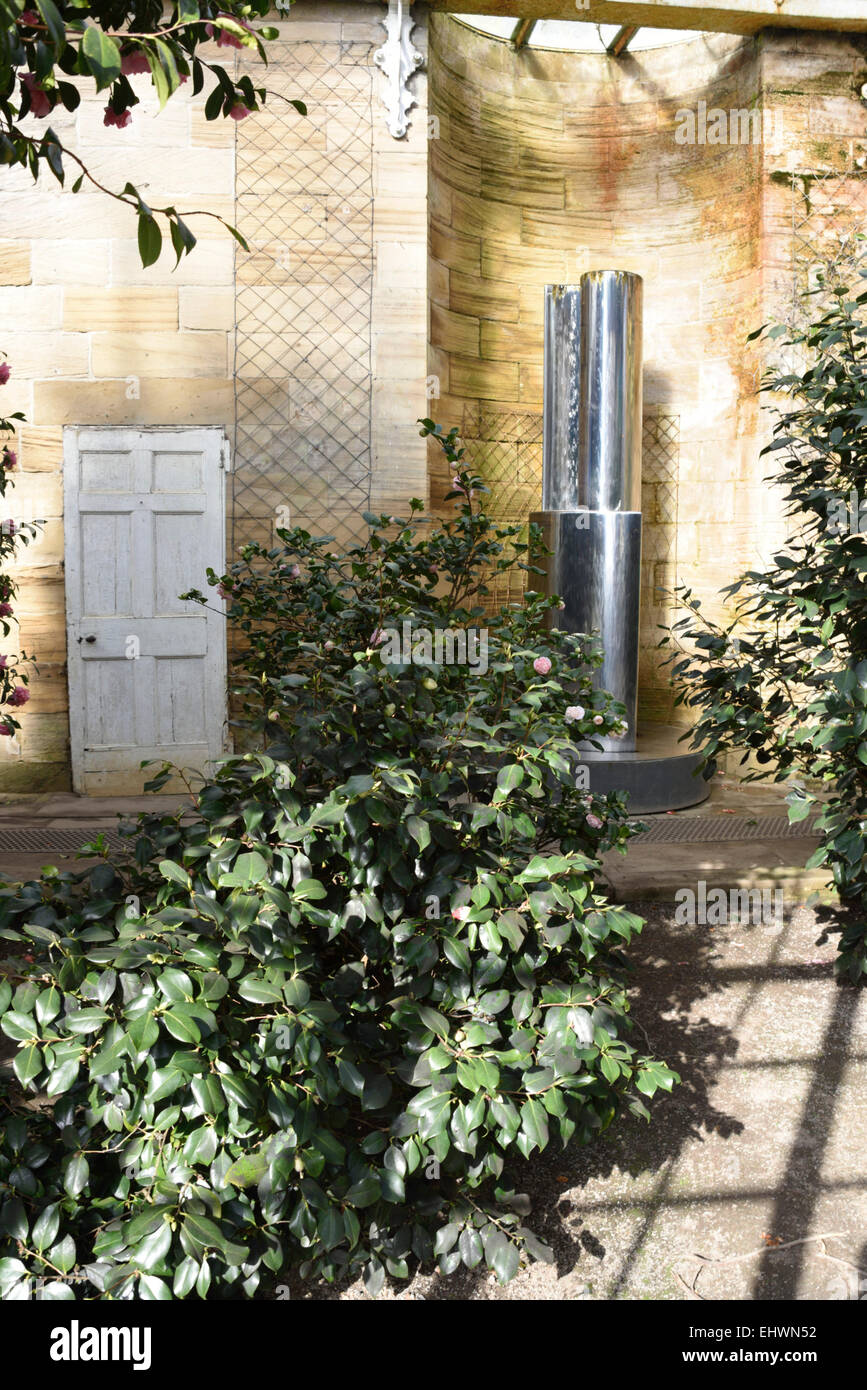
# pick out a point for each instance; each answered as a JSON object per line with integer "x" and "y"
{"x": 546, "y": 164}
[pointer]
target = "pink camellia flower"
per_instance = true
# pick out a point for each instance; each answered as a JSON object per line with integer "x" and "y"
{"x": 595, "y": 822}
{"x": 239, "y": 111}
{"x": 329, "y": 645}
{"x": 28, "y": 17}
{"x": 573, "y": 712}
{"x": 5, "y": 610}
{"x": 597, "y": 719}
{"x": 20, "y": 695}
{"x": 541, "y": 665}
{"x": 134, "y": 61}
{"x": 225, "y": 40}
{"x": 294, "y": 571}
{"x": 619, "y": 731}
{"x": 10, "y": 458}
{"x": 6, "y": 729}
{"x": 5, "y": 373}
{"x": 121, "y": 119}
{"x": 460, "y": 914}
{"x": 223, "y": 591}
{"x": 8, "y": 527}
{"x": 4, "y": 661}
{"x": 459, "y": 487}
{"x": 377, "y": 637}
{"x": 40, "y": 102}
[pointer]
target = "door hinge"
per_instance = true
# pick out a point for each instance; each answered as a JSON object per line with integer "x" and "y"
{"x": 226, "y": 456}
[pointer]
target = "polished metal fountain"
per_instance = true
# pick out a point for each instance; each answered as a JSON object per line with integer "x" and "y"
{"x": 591, "y": 518}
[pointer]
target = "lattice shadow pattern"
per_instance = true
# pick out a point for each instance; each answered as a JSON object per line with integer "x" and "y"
{"x": 303, "y": 380}
{"x": 505, "y": 449}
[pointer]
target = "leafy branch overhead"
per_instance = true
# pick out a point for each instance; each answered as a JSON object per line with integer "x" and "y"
{"x": 50, "y": 53}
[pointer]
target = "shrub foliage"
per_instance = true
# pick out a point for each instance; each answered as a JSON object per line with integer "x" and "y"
{"x": 315, "y": 1022}
{"x": 784, "y": 678}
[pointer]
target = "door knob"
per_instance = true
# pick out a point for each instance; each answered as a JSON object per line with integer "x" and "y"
{"x": 91, "y": 638}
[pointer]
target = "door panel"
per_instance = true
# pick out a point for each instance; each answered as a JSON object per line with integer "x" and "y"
{"x": 144, "y": 517}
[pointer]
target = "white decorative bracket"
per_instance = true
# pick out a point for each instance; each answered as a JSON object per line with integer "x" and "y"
{"x": 398, "y": 59}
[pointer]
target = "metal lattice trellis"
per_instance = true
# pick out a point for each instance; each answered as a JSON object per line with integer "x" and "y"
{"x": 303, "y": 371}
{"x": 828, "y": 210}
{"x": 505, "y": 449}
{"x": 659, "y": 485}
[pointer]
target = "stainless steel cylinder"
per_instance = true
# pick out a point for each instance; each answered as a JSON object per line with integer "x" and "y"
{"x": 609, "y": 444}
{"x": 591, "y": 488}
{"x": 595, "y": 567}
{"x": 562, "y": 384}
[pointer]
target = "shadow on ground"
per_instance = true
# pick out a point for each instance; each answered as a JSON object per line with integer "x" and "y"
{"x": 748, "y": 1183}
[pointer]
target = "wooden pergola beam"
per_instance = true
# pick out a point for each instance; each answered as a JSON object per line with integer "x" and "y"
{"x": 720, "y": 16}
{"x": 622, "y": 39}
{"x": 521, "y": 33}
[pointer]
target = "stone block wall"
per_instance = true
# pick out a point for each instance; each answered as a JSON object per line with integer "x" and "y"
{"x": 549, "y": 164}
{"x": 313, "y": 349}
{"x": 94, "y": 339}
{"x": 310, "y": 350}
{"x": 330, "y": 352}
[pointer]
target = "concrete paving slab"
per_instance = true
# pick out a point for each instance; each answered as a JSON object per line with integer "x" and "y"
{"x": 749, "y": 1183}
{"x": 22, "y": 811}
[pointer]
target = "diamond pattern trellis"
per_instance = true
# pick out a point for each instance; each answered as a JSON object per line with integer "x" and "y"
{"x": 304, "y": 203}
{"x": 505, "y": 448}
{"x": 828, "y": 210}
{"x": 660, "y": 466}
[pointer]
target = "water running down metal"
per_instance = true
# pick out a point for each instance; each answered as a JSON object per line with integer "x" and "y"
{"x": 591, "y": 520}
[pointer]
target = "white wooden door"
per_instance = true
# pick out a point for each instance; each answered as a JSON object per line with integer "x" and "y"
{"x": 144, "y": 517}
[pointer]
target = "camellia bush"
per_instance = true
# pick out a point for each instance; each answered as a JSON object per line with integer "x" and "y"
{"x": 14, "y": 667}
{"x": 51, "y": 50}
{"x": 316, "y": 1022}
{"x": 784, "y": 679}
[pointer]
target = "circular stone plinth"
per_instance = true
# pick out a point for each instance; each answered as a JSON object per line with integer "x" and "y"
{"x": 660, "y": 775}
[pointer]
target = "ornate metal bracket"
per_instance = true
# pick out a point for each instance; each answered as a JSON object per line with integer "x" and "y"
{"x": 398, "y": 59}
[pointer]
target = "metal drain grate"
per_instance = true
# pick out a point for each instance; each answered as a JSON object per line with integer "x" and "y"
{"x": 684, "y": 829}
{"x": 667, "y": 830}
{"x": 54, "y": 841}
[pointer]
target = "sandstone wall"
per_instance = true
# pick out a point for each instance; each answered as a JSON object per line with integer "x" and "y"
{"x": 549, "y": 164}
{"x": 310, "y": 350}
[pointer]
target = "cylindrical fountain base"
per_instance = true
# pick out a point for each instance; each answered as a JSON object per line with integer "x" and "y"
{"x": 662, "y": 774}
{"x": 595, "y": 567}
